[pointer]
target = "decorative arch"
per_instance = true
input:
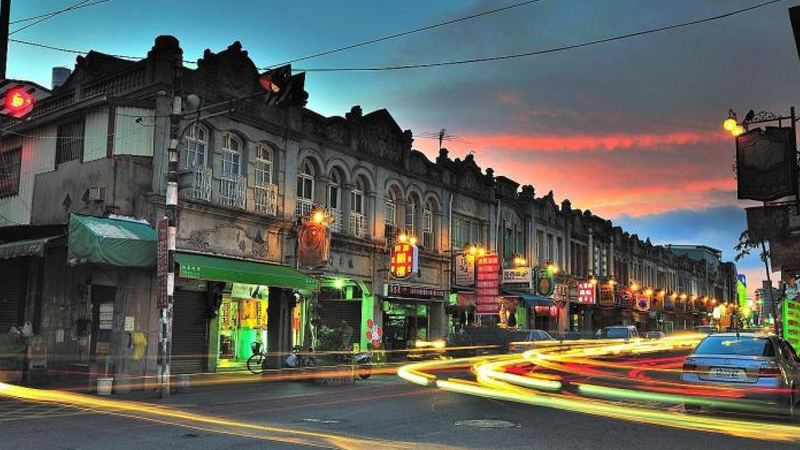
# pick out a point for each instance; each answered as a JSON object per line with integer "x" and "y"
{"x": 433, "y": 198}
{"x": 369, "y": 179}
{"x": 341, "y": 165}
{"x": 314, "y": 156}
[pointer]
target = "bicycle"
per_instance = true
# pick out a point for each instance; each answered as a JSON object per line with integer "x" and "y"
{"x": 255, "y": 363}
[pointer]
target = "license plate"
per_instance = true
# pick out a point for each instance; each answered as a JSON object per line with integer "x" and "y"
{"x": 727, "y": 373}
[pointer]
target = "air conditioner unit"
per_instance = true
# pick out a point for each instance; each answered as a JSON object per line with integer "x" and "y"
{"x": 97, "y": 194}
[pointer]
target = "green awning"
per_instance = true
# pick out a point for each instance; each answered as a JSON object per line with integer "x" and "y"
{"x": 116, "y": 242}
{"x": 28, "y": 247}
{"x": 531, "y": 299}
{"x": 203, "y": 267}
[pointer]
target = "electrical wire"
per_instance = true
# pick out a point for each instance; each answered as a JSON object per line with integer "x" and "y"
{"x": 49, "y": 16}
{"x": 51, "y": 13}
{"x": 472, "y": 60}
{"x": 545, "y": 51}
{"x": 408, "y": 32}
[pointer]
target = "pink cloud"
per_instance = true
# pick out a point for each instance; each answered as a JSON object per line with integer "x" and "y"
{"x": 591, "y": 142}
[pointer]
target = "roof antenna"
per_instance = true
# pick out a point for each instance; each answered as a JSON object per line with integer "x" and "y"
{"x": 442, "y": 134}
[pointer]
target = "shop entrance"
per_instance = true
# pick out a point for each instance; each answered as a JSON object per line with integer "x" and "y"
{"x": 242, "y": 315}
{"x": 403, "y": 324}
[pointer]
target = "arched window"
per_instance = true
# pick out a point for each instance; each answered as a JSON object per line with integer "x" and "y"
{"x": 194, "y": 153}
{"x": 428, "y": 240}
{"x": 411, "y": 216}
{"x": 358, "y": 222}
{"x": 390, "y": 211}
{"x": 305, "y": 189}
{"x": 231, "y": 155}
{"x": 263, "y": 165}
{"x": 334, "y": 200}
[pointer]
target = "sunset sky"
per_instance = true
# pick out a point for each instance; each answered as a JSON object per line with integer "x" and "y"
{"x": 628, "y": 129}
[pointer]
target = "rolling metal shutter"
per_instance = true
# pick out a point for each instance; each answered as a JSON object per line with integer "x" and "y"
{"x": 189, "y": 332}
{"x": 336, "y": 311}
{"x": 13, "y": 282}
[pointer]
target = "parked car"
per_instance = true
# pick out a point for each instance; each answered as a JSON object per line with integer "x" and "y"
{"x": 522, "y": 340}
{"x": 748, "y": 361}
{"x": 655, "y": 335}
{"x": 627, "y": 332}
{"x": 705, "y": 329}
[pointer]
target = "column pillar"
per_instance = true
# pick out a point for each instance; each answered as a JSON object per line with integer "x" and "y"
{"x": 346, "y": 207}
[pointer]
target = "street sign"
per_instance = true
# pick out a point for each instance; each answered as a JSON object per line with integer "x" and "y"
{"x": 767, "y": 222}
{"x": 519, "y": 278}
{"x": 785, "y": 253}
{"x": 465, "y": 270}
{"x": 606, "y": 299}
{"x": 313, "y": 245}
{"x": 405, "y": 260}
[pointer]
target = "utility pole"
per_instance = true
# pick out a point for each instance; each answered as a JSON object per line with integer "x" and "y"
{"x": 171, "y": 213}
{"x": 5, "y": 13}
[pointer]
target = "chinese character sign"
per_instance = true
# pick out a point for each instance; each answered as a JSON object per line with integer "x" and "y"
{"x": 585, "y": 293}
{"x": 405, "y": 260}
{"x": 465, "y": 269}
{"x": 487, "y": 284}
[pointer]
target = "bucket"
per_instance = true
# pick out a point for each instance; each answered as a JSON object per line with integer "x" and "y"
{"x": 104, "y": 385}
{"x": 182, "y": 384}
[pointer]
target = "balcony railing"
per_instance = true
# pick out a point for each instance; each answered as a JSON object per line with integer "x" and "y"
{"x": 198, "y": 186}
{"x": 427, "y": 241}
{"x": 232, "y": 191}
{"x": 336, "y": 215}
{"x": 358, "y": 225}
{"x": 390, "y": 232}
{"x": 303, "y": 207}
{"x": 265, "y": 199}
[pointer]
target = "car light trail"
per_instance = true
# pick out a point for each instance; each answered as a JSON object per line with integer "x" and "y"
{"x": 555, "y": 376}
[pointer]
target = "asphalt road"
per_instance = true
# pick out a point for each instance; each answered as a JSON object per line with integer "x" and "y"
{"x": 381, "y": 413}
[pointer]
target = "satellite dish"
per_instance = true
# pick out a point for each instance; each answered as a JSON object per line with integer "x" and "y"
{"x": 192, "y": 102}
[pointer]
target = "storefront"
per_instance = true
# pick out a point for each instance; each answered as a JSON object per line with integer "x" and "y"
{"x": 411, "y": 313}
{"x": 222, "y": 306}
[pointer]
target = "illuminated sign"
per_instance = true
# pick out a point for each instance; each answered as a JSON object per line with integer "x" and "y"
{"x": 405, "y": 260}
{"x": 643, "y": 303}
{"x": 313, "y": 245}
{"x": 465, "y": 269}
{"x": 585, "y": 293}
{"x": 519, "y": 277}
{"x": 487, "y": 284}
{"x": 606, "y": 299}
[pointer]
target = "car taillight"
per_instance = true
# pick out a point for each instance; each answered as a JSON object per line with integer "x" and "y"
{"x": 689, "y": 367}
{"x": 769, "y": 371}
{"x": 513, "y": 348}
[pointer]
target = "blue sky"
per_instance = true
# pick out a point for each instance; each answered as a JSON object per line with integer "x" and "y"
{"x": 629, "y": 129}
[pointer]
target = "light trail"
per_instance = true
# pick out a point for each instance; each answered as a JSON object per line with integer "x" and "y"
{"x": 176, "y": 417}
{"x": 557, "y": 376}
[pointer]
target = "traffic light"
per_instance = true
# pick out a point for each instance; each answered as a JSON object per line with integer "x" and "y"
{"x": 18, "y": 99}
{"x": 283, "y": 88}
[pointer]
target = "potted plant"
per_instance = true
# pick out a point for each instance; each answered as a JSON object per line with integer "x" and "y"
{"x": 105, "y": 383}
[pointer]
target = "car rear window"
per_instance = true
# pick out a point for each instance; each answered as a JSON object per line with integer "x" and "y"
{"x": 732, "y": 345}
{"x": 520, "y": 336}
{"x": 615, "y": 333}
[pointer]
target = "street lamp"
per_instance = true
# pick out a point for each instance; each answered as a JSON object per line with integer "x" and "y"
{"x": 731, "y": 124}
{"x": 553, "y": 268}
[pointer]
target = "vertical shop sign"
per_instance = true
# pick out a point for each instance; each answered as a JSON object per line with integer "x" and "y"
{"x": 405, "y": 260}
{"x": 162, "y": 263}
{"x": 487, "y": 284}
{"x": 791, "y": 322}
{"x": 465, "y": 270}
{"x": 606, "y": 299}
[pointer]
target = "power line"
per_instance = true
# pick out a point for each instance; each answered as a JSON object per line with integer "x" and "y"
{"x": 50, "y": 16}
{"x": 472, "y": 60}
{"x": 51, "y": 13}
{"x": 545, "y": 51}
{"x": 406, "y": 33}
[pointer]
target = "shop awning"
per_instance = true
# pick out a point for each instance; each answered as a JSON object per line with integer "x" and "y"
{"x": 204, "y": 267}
{"x": 27, "y": 247}
{"x": 531, "y": 299}
{"x": 111, "y": 241}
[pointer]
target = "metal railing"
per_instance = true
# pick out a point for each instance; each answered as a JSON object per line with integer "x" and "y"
{"x": 303, "y": 207}
{"x": 265, "y": 199}
{"x": 199, "y": 187}
{"x": 358, "y": 225}
{"x": 232, "y": 189}
{"x": 336, "y": 214}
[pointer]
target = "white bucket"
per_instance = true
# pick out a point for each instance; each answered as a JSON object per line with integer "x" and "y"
{"x": 104, "y": 385}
